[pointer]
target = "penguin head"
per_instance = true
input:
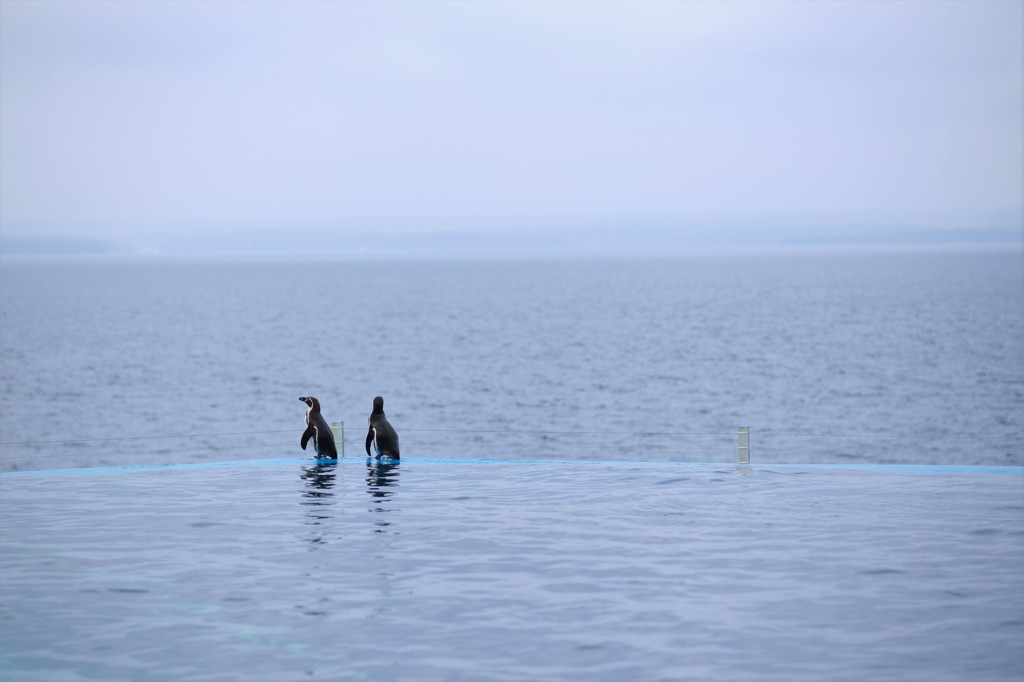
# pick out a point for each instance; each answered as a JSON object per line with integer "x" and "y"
{"x": 313, "y": 403}
{"x": 378, "y": 405}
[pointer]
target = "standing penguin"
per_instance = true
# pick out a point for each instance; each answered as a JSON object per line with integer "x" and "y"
{"x": 381, "y": 433}
{"x": 318, "y": 430}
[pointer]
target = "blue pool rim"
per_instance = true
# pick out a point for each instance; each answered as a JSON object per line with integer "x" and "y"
{"x": 416, "y": 461}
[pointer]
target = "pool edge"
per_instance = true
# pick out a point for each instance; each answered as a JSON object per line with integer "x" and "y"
{"x": 293, "y": 461}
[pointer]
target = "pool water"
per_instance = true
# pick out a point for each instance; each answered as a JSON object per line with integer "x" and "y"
{"x": 432, "y": 570}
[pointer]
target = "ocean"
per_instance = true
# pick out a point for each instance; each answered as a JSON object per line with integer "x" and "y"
{"x": 568, "y": 504}
{"x": 874, "y": 358}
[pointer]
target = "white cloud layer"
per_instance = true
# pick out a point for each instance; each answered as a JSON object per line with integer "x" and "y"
{"x": 128, "y": 117}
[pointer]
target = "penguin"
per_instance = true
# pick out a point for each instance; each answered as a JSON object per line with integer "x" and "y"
{"x": 318, "y": 430}
{"x": 381, "y": 433}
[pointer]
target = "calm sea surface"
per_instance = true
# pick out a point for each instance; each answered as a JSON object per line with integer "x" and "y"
{"x": 883, "y": 358}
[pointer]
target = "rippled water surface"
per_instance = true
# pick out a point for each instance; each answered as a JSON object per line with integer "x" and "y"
{"x": 511, "y": 571}
{"x": 830, "y": 358}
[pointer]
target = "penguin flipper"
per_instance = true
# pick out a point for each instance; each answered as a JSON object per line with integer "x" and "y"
{"x": 310, "y": 432}
{"x": 369, "y": 440}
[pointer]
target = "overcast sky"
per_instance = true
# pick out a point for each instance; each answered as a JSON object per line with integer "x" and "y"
{"x": 119, "y": 118}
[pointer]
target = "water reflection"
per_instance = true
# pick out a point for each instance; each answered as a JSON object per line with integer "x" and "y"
{"x": 381, "y": 479}
{"x": 318, "y": 497}
{"x": 318, "y": 501}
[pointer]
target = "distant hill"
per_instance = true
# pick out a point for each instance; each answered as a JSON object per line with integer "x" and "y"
{"x": 57, "y": 246}
{"x": 438, "y": 239}
{"x": 602, "y": 238}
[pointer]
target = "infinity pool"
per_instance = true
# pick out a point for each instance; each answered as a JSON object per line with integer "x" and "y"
{"x": 496, "y": 570}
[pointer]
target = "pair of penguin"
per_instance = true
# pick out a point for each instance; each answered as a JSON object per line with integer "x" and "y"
{"x": 381, "y": 434}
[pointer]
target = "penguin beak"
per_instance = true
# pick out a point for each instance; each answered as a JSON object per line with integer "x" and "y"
{"x": 303, "y": 398}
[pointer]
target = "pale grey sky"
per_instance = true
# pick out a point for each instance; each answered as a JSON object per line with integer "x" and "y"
{"x": 127, "y": 119}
